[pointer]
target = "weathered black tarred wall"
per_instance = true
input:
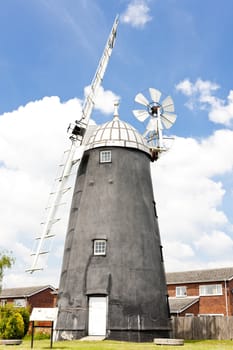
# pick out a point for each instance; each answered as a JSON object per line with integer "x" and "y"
{"x": 114, "y": 201}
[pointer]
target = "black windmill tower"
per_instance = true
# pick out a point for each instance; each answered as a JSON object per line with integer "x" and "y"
{"x": 112, "y": 282}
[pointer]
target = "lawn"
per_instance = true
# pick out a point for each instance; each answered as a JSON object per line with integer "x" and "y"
{"x": 117, "y": 345}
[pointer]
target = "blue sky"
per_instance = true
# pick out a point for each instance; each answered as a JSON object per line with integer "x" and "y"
{"x": 49, "y": 51}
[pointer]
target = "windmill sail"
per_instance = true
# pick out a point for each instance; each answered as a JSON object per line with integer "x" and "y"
{"x": 78, "y": 132}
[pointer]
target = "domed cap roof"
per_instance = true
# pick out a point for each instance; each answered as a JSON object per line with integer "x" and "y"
{"x": 117, "y": 133}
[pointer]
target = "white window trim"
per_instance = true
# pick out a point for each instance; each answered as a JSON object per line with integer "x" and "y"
{"x": 106, "y": 156}
{"x": 21, "y": 302}
{"x": 181, "y": 288}
{"x": 96, "y": 241}
{"x": 210, "y": 294}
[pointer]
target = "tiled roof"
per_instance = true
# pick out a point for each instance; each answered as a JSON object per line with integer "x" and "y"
{"x": 23, "y": 292}
{"x": 178, "y": 305}
{"x": 211, "y": 275}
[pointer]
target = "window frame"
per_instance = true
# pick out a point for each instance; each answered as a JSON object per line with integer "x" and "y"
{"x": 207, "y": 292}
{"x": 182, "y": 291}
{"x": 20, "y": 302}
{"x": 105, "y": 156}
{"x": 3, "y": 302}
{"x": 97, "y": 251}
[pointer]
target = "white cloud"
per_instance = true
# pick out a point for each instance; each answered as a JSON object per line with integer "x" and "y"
{"x": 186, "y": 87}
{"x": 202, "y": 87}
{"x": 35, "y": 130}
{"x": 136, "y": 14}
{"x": 185, "y": 250}
{"x": 222, "y": 111}
{"x": 104, "y": 100}
{"x": 32, "y": 141}
{"x": 190, "y": 199}
{"x": 178, "y": 255}
{"x": 200, "y": 95}
{"x": 215, "y": 244}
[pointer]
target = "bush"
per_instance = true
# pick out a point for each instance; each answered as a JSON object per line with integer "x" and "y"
{"x": 14, "y": 322}
{"x": 14, "y": 327}
{"x": 26, "y": 316}
{"x": 5, "y": 313}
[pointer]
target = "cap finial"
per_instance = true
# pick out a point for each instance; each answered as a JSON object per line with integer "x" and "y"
{"x": 116, "y": 107}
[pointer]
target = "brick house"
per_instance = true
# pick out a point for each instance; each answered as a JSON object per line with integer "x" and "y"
{"x": 201, "y": 292}
{"x": 37, "y": 296}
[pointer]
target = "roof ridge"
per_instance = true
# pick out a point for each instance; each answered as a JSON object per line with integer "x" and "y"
{"x": 24, "y": 291}
{"x": 199, "y": 270}
{"x": 204, "y": 275}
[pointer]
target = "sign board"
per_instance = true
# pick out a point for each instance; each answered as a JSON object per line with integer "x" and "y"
{"x": 44, "y": 314}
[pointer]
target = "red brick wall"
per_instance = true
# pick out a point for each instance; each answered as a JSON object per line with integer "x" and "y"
{"x": 171, "y": 290}
{"x": 42, "y": 299}
{"x": 193, "y": 309}
{"x": 192, "y": 289}
{"x": 212, "y": 304}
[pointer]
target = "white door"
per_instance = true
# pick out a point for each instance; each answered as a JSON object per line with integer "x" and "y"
{"x": 97, "y": 316}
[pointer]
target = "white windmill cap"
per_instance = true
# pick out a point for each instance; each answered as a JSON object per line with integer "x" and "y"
{"x": 117, "y": 133}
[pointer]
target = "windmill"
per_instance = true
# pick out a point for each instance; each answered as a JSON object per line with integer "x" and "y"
{"x": 112, "y": 281}
{"x": 161, "y": 116}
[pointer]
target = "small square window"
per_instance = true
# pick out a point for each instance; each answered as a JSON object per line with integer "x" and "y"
{"x": 100, "y": 247}
{"x": 105, "y": 157}
{"x": 181, "y": 291}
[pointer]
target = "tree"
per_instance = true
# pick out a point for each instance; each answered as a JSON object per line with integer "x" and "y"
{"x": 6, "y": 261}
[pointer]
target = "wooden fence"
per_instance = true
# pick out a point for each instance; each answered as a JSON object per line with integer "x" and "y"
{"x": 203, "y": 327}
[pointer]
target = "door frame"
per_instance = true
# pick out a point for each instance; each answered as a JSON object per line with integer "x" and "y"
{"x": 88, "y": 313}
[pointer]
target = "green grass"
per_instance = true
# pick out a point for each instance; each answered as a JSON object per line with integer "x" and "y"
{"x": 117, "y": 345}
